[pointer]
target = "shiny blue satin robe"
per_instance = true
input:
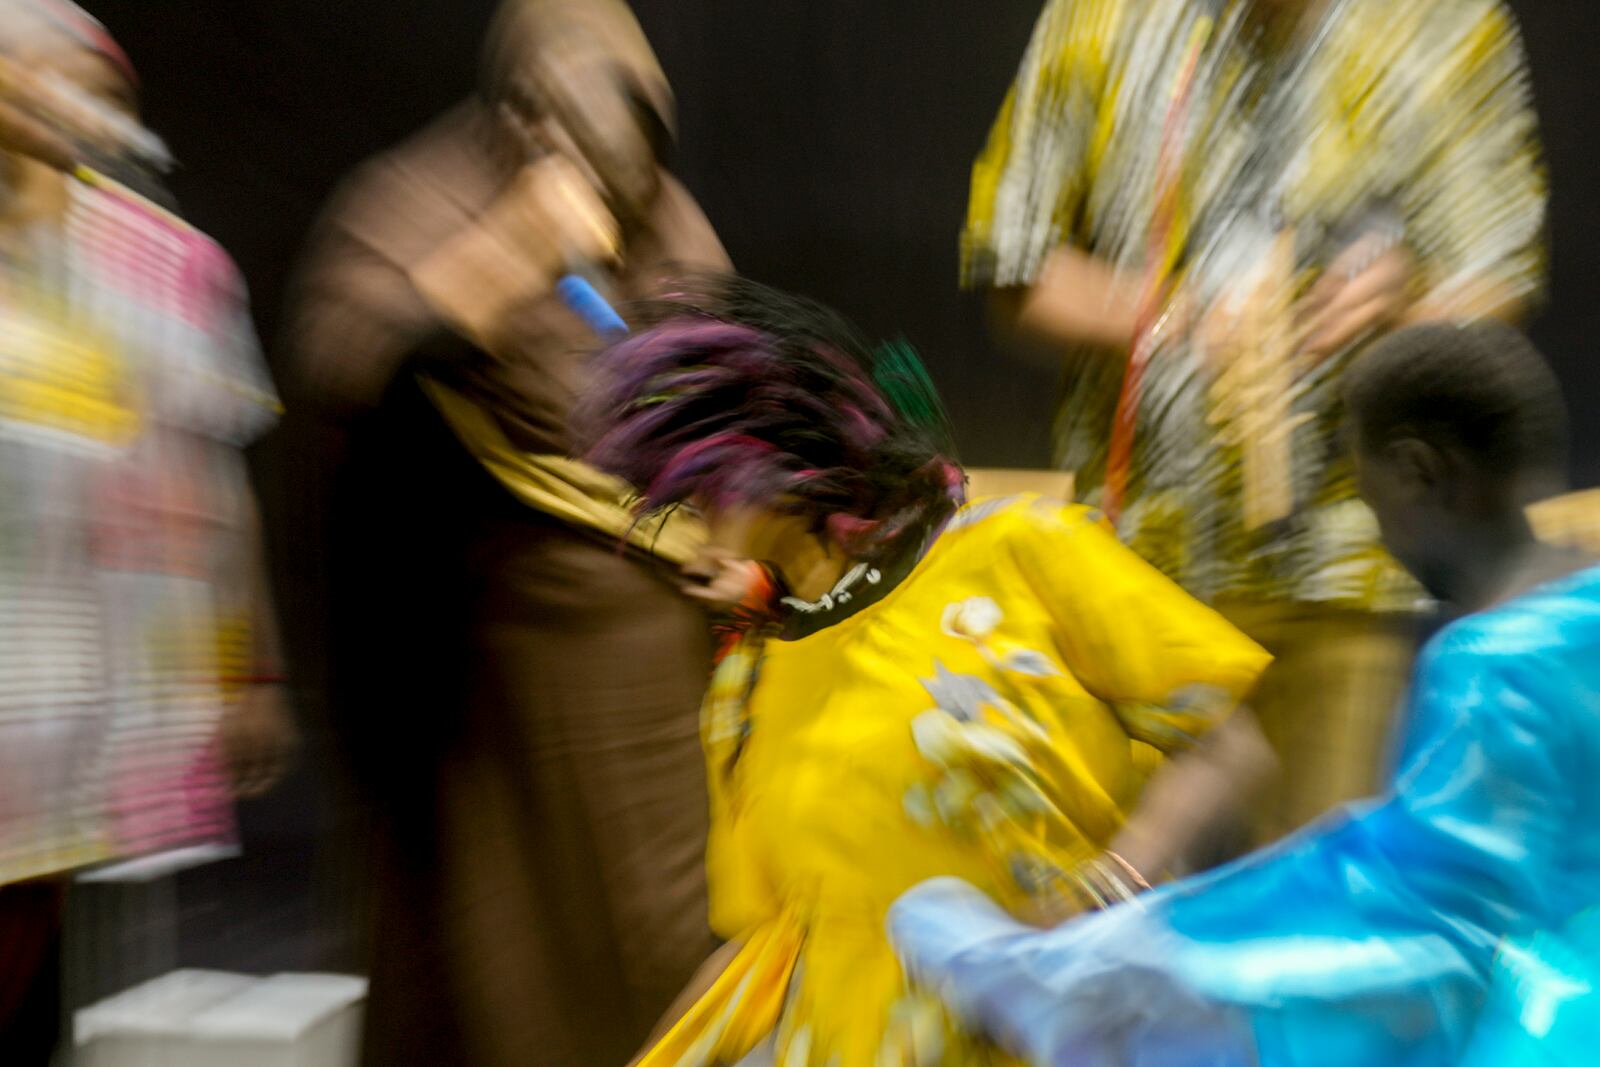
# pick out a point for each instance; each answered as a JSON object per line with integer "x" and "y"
{"x": 1544, "y": 1002}
{"x": 1368, "y": 940}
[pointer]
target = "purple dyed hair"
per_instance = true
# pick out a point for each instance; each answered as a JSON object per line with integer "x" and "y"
{"x": 740, "y": 394}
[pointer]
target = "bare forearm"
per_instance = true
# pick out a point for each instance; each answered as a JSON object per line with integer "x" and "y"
{"x": 1193, "y": 792}
{"x": 1079, "y": 298}
{"x": 1487, "y": 299}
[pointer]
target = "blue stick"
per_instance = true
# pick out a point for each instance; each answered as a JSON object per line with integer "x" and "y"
{"x": 585, "y": 301}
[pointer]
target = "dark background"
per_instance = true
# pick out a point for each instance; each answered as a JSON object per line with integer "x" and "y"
{"x": 828, "y": 140}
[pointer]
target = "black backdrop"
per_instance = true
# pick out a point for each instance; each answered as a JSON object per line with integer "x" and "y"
{"x": 828, "y": 140}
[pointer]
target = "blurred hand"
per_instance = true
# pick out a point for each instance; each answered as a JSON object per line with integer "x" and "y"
{"x": 1090, "y": 886}
{"x": 1362, "y": 291}
{"x": 1247, "y": 317}
{"x": 549, "y": 217}
{"x": 722, "y": 583}
{"x": 22, "y": 131}
{"x": 56, "y": 108}
{"x": 555, "y": 202}
{"x": 24, "y": 135}
{"x": 259, "y": 739}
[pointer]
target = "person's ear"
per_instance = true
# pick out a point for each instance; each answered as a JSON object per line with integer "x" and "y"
{"x": 1422, "y": 470}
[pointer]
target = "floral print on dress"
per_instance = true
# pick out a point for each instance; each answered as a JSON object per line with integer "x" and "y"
{"x": 918, "y": 1033}
{"x": 725, "y": 713}
{"x": 975, "y": 620}
{"x": 985, "y": 749}
{"x": 1177, "y": 722}
{"x": 988, "y": 752}
{"x": 953, "y": 728}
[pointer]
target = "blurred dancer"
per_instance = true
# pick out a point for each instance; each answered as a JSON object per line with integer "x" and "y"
{"x": 1369, "y": 938}
{"x": 138, "y": 651}
{"x": 523, "y": 693}
{"x": 1212, "y": 206}
{"x": 974, "y": 689}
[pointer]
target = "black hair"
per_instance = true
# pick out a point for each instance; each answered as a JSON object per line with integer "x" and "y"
{"x": 736, "y": 392}
{"x": 1480, "y": 388}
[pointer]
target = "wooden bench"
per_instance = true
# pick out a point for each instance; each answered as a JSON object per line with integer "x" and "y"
{"x": 994, "y": 481}
{"x": 1573, "y": 519}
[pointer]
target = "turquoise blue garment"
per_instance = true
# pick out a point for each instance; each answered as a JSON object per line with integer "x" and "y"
{"x": 1370, "y": 938}
{"x": 1544, "y": 1001}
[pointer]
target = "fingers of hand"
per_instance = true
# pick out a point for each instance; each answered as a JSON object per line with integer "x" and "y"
{"x": 727, "y": 585}
{"x": 551, "y": 202}
{"x": 1340, "y": 309}
{"x": 727, "y": 589}
{"x": 1347, "y": 319}
{"x": 261, "y": 741}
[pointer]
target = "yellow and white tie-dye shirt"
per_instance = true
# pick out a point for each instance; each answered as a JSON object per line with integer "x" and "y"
{"x": 1409, "y": 119}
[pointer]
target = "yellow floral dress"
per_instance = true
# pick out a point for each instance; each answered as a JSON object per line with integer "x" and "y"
{"x": 992, "y": 717}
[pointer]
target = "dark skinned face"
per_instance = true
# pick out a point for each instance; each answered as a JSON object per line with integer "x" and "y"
{"x": 571, "y": 93}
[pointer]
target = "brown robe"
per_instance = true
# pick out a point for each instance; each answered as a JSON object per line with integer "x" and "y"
{"x": 521, "y": 695}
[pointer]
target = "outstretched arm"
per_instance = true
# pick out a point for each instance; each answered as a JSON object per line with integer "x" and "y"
{"x": 1193, "y": 793}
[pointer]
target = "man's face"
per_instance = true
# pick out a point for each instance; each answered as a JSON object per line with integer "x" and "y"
{"x": 566, "y": 88}
{"x": 588, "y": 98}
{"x": 1408, "y": 520}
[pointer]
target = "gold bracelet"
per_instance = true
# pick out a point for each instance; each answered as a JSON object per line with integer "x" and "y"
{"x": 1132, "y": 872}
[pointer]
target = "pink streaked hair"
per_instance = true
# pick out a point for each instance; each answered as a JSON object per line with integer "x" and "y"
{"x": 737, "y": 393}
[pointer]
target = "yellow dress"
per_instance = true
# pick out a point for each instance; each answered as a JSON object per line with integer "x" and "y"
{"x": 993, "y": 718}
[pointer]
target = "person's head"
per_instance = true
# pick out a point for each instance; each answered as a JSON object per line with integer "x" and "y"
{"x": 73, "y": 94}
{"x": 579, "y": 77}
{"x": 59, "y": 39}
{"x": 1455, "y": 430}
{"x": 770, "y": 416}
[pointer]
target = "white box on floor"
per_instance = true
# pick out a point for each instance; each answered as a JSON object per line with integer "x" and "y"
{"x": 148, "y": 1026}
{"x": 288, "y": 1020}
{"x": 212, "y": 1019}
